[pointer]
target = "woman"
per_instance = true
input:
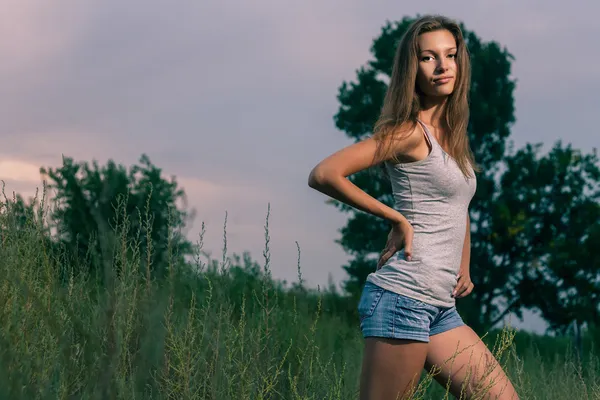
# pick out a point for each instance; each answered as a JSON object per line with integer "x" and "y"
{"x": 407, "y": 309}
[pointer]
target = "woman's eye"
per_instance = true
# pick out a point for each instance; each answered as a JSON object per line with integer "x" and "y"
{"x": 452, "y": 55}
{"x": 426, "y": 58}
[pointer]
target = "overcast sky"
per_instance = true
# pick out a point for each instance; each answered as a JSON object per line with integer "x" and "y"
{"x": 236, "y": 98}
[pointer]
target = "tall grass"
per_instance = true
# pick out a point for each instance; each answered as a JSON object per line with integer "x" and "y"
{"x": 208, "y": 330}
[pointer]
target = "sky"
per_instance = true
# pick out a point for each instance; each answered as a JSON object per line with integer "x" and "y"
{"x": 236, "y": 99}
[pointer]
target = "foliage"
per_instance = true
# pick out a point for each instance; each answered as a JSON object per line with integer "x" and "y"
{"x": 491, "y": 115}
{"x": 547, "y": 223}
{"x": 85, "y": 202}
{"x": 499, "y": 266}
{"x": 207, "y": 331}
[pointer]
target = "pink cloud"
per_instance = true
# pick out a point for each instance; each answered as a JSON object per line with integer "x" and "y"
{"x": 19, "y": 170}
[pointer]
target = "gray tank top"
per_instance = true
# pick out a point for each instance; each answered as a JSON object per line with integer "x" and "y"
{"x": 434, "y": 196}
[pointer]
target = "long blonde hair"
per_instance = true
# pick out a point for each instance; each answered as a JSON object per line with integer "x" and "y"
{"x": 403, "y": 102}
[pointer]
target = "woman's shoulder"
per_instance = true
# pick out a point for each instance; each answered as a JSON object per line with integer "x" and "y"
{"x": 400, "y": 139}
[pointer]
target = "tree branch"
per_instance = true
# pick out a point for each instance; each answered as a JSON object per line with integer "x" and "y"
{"x": 508, "y": 309}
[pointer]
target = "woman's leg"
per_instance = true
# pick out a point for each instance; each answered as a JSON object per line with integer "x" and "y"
{"x": 391, "y": 368}
{"x": 473, "y": 363}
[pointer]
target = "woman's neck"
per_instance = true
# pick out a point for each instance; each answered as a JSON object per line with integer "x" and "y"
{"x": 432, "y": 112}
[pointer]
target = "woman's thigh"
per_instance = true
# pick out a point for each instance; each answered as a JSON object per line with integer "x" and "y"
{"x": 391, "y": 368}
{"x": 464, "y": 359}
{"x": 396, "y": 331}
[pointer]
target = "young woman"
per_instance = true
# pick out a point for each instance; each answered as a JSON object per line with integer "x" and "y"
{"x": 407, "y": 308}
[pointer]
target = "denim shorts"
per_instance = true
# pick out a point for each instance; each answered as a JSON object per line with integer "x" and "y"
{"x": 390, "y": 315}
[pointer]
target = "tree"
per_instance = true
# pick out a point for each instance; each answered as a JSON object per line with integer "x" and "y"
{"x": 92, "y": 205}
{"x": 534, "y": 219}
{"x": 547, "y": 224}
{"x": 492, "y": 113}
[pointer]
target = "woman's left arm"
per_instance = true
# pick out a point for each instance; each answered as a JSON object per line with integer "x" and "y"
{"x": 464, "y": 286}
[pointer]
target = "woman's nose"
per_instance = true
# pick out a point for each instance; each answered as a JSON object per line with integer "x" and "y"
{"x": 443, "y": 65}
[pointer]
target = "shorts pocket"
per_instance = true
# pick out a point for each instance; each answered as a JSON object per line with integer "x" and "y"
{"x": 411, "y": 316}
{"x": 369, "y": 298}
{"x": 410, "y": 302}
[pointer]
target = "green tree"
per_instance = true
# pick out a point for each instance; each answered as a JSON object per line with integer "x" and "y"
{"x": 547, "y": 225}
{"x": 530, "y": 215}
{"x": 492, "y": 113}
{"x": 92, "y": 203}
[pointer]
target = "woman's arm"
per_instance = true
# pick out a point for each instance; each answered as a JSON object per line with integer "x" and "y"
{"x": 465, "y": 286}
{"x": 330, "y": 175}
{"x": 466, "y": 252}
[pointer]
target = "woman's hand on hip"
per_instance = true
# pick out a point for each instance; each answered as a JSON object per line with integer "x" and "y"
{"x": 464, "y": 286}
{"x": 400, "y": 236}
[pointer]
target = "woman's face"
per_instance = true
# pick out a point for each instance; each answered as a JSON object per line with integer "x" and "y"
{"x": 437, "y": 72}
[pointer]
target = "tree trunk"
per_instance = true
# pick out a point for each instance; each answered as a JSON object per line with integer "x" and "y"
{"x": 578, "y": 342}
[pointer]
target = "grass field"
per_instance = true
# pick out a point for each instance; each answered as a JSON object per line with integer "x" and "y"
{"x": 207, "y": 332}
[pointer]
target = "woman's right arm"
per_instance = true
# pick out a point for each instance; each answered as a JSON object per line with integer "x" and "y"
{"x": 330, "y": 176}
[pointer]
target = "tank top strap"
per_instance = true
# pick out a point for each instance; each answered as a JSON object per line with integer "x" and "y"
{"x": 432, "y": 141}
